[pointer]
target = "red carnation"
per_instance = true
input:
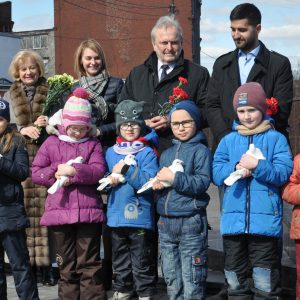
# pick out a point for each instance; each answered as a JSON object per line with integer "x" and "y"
{"x": 182, "y": 80}
{"x": 272, "y": 106}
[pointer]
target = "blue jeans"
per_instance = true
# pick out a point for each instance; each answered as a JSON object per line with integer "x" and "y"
{"x": 183, "y": 249}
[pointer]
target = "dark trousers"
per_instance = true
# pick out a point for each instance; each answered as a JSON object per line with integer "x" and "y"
{"x": 133, "y": 260}
{"x": 259, "y": 254}
{"x": 14, "y": 244}
{"x": 78, "y": 258}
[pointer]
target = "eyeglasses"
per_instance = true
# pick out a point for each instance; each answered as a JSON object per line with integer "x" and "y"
{"x": 185, "y": 124}
{"x": 78, "y": 130}
{"x": 126, "y": 126}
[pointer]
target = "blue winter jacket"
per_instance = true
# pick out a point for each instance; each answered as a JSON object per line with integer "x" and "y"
{"x": 253, "y": 205}
{"x": 187, "y": 196}
{"x": 125, "y": 207}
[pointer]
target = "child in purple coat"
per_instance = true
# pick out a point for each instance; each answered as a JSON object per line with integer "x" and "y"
{"x": 73, "y": 209}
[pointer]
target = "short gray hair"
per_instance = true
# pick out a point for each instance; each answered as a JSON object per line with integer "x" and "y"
{"x": 165, "y": 22}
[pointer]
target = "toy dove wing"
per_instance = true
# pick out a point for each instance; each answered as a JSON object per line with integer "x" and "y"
{"x": 104, "y": 182}
{"x": 176, "y": 166}
{"x": 236, "y": 175}
{"x": 59, "y": 182}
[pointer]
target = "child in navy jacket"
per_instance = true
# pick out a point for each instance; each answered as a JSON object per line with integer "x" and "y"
{"x": 14, "y": 168}
{"x": 182, "y": 225}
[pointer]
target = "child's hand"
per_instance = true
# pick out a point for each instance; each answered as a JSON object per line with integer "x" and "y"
{"x": 247, "y": 173}
{"x": 65, "y": 170}
{"x": 248, "y": 162}
{"x": 114, "y": 181}
{"x": 157, "y": 185}
{"x": 165, "y": 174}
{"x": 118, "y": 167}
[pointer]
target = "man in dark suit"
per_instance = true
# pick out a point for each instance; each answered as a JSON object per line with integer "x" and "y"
{"x": 250, "y": 61}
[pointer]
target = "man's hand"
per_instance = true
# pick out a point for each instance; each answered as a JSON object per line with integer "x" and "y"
{"x": 158, "y": 122}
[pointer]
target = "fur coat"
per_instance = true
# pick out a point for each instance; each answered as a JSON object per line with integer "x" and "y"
{"x": 24, "y": 113}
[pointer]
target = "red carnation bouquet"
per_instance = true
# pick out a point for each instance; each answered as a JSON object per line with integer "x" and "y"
{"x": 178, "y": 95}
{"x": 272, "y": 106}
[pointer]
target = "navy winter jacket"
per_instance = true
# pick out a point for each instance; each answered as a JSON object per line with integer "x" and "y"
{"x": 187, "y": 196}
{"x": 13, "y": 170}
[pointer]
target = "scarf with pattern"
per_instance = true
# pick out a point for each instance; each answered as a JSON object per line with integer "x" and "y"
{"x": 95, "y": 86}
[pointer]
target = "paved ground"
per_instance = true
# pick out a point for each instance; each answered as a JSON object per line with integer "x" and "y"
{"x": 215, "y": 262}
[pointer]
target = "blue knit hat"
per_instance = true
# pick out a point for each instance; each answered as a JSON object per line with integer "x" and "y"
{"x": 4, "y": 110}
{"x": 191, "y": 108}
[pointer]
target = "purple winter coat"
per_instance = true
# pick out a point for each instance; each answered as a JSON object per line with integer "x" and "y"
{"x": 79, "y": 202}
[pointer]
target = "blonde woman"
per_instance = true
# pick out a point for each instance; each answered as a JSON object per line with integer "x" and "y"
{"x": 27, "y": 96}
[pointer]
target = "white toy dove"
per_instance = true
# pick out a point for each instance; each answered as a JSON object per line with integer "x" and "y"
{"x": 176, "y": 166}
{"x": 236, "y": 175}
{"x": 59, "y": 182}
{"x": 104, "y": 182}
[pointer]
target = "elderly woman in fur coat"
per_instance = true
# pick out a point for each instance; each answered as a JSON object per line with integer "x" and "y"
{"x": 27, "y": 96}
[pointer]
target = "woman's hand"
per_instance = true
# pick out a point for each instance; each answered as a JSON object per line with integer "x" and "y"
{"x": 30, "y": 131}
{"x": 41, "y": 121}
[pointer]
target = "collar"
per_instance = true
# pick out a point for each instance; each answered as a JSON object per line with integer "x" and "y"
{"x": 171, "y": 66}
{"x": 253, "y": 52}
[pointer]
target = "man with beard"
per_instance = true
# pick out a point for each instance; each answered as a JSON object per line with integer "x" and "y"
{"x": 250, "y": 61}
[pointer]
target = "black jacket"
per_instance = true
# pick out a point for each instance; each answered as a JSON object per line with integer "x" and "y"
{"x": 13, "y": 170}
{"x": 271, "y": 70}
{"x": 142, "y": 85}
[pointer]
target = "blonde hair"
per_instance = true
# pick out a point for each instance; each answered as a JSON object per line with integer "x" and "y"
{"x": 90, "y": 44}
{"x": 7, "y": 139}
{"x": 20, "y": 57}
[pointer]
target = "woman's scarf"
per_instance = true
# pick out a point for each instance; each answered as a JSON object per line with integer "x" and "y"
{"x": 262, "y": 127}
{"x": 95, "y": 86}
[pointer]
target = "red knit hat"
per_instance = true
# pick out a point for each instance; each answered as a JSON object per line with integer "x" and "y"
{"x": 250, "y": 94}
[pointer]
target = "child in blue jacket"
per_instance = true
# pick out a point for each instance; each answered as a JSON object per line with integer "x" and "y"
{"x": 251, "y": 213}
{"x": 129, "y": 215}
{"x": 182, "y": 225}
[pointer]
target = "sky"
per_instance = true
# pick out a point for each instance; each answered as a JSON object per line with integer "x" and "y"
{"x": 280, "y": 25}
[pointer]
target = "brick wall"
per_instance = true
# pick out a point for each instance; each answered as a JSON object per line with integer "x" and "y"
{"x": 123, "y": 29}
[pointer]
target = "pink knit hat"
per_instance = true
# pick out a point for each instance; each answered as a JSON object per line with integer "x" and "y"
{"x": 250, "y": 94}
{"x": 77, "y": 110}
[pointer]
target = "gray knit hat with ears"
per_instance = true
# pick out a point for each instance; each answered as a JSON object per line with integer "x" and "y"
{"x": 129, "y": 111}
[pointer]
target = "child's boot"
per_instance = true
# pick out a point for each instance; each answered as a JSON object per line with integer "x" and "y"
{"x": 122, "y": 296}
